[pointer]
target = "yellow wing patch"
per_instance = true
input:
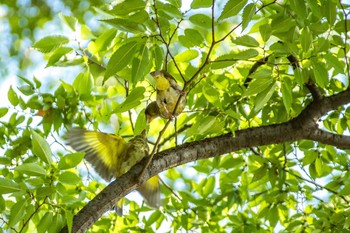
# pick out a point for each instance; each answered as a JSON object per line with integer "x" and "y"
{"x": 103, "y": 151}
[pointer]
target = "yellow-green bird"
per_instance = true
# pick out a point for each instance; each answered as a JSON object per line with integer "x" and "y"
{"x": 152, "y": 111}
{"x": 111, "y": 156}
{"x": 168, "y": 93}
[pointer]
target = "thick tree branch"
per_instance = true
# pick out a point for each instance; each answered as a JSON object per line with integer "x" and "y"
{"x": 302, "y": 127}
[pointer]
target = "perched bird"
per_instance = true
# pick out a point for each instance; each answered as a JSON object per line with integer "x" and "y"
{"x": 111, "y": 156}
{"x": 152, "y": 111}
{"x": 168, "y": 93}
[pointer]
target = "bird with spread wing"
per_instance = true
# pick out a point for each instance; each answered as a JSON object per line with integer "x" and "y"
{"x": 111, "y": 157}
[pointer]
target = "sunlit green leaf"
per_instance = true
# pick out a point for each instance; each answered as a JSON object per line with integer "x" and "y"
{"x": 261, "y": 80}
{"x": 69, "y": 178}
{"x": 246, "y": 40}
{"x": 139, "y": 68}
{"x": 186, "y": 56}
{"x": 264, "y": 96}
{"x": 8, "y": 186}
{"x": 305, "y": 39}
{"x": 120, "y": 58}
{"x": 265, "y": 31}
{"x": 248, "y": 14}
{"x": 70, "y": 160}
{"x": 58, "y": 54}
{"x": 41, "y": 148}
{"x": 31, "y": 169}
{"x": 125, "y": 25}
{"x": 131, "y": 101}
{"x": 49, "y": 43}
{"x": 287, "y": 94}
{"x": 17, "y": 212}
{"x": 209, "y": 186}
{"x": 13, "y": 97}
{"x": 3, "y": 111}
{"x": 104, "y": 40}
{"x": 69, "y": 20}
{"x": 321, "y": 74}
{"x": 201, "y": 4}
{"x": 299, "y": 7}
{"x": 83, "y": 83}
{"x": 232, "y": 8}
{"x": 201, "y": 20}
{"x": 126, "y": 7}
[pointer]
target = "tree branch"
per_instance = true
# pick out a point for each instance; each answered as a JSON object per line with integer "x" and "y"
{"x": 302, "y": 127}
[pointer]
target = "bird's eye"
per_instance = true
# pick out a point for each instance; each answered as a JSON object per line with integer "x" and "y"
{"x": 165, "y": 101}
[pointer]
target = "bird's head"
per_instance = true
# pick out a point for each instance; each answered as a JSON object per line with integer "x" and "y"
{"x": 161, "y": 78}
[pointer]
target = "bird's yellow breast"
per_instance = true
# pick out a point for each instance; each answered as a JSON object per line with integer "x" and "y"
{"x": 162, "y": 83}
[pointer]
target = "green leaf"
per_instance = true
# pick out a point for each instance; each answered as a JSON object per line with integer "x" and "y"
{"x": 49, "y": 43}
{"x": 209, "y": 186}
{"x": 319, "y": 166}
{"x": 335, "y": 63}
{"x": 17, "y": 212}
{"x": 232, "y": 8}
{"x": 329, "y": 9}
{"x": 186, "y": 56}
{"x": 246, "y": 40}
{"x": 127, "y": 7}
{"x": 262, "y": 98}
{"x": 68, "y": 177}
{"x": 13, "y": 97}
{"x": 105, "y": 39}
{"x": 126, "y": 25}
{"x": 201, "y": 4}
{"x": 345, "y": 191}
{"x": 227, "y": 60}
{"x": 299, "y": 77}
{"x": 140, "y": 123}
{"x": 321, "y": 74}
{"x": 133, "y": 100}
{"x": 139, "y": 68}
{"x": 260, "y": 173}
{"x": 31, "y": 169}
{"x": 26, "y": 89}
{"x": 69, "y": 219}
{"x": 41, "y": 148}
{"x": 3, "y": 111}
{"x": 273, "y": 216}
{"x": 26, "y": 81}
{"x": 191, "y": 38}
{"x": 306, "y": 39}
{"x": 342, "y": 26}
{"x": 248, "y": 13}
{"x": 211, "y": 94}
{"x": 57, "y": 55}
{"x": 157, "y": 56}
{"x": 69, "y": 20}
{"x": 261, "y": 80}
{"x": 287, "y": 94}
{"x": 120, "y": 58}
{"x": 265, "y": 31}
{"x": 45, "y": 222}
{"x": 154, "y": 217}
{"x": 309, "y": 157}
{"x": 176, "y": 3}
{"x": 84, "y": 83}
{"x": 169, "y": 10}
{"x": 201, "y": 20}
{"x": 299, "y": 7}
{"x": 70, "y": 160}
{"x": 8, "y": 186}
